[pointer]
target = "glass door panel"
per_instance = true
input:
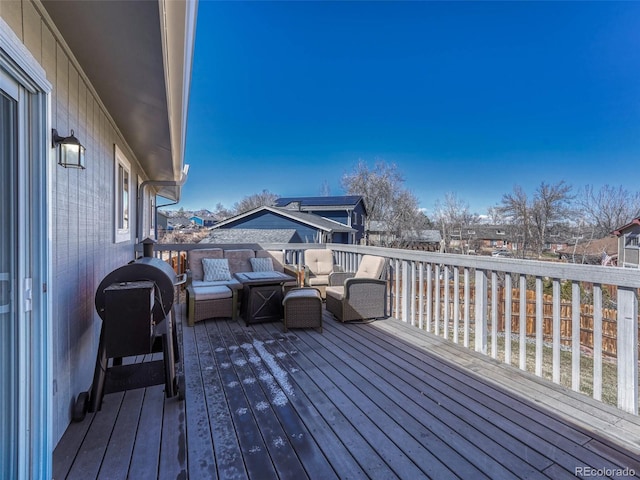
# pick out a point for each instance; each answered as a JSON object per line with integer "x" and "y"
{"x": 8, "y": 276}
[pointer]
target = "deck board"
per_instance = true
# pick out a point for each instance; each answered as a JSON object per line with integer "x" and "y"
{"x": 363, "y": 400}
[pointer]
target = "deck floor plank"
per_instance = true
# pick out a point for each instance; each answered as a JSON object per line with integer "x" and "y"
{"x": 327, "y": 425}
{"x": 264, "y": 396}
{"x": 401, "y": 426}
{"x": 252, "y": 444}
{"x": 145, "y": 458}
{"x": 455, "y": 394}
{"x": 447, "y": 440}
{"x": 291, "y": 436}
{"x": 87, "y": 463}
{"x": 201, "y": 459}
{"x": 363, "y": 400}
{"x": 123, "y": 437}
{"x": 226, "y": 446}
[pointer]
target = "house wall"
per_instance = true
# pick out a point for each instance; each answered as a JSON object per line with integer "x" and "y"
{"x": 267, "y": 220}
{"x": 83, "y": 248}
{"x": 346, "y": 217}
{"x": 628, "y": 249}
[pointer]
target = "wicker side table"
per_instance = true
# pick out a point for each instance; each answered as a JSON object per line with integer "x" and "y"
{"x": 302, "y": 309}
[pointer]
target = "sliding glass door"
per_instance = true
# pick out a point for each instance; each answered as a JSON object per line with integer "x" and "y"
{"x": 8, "y": 278}
{"x": 25, "y": 344}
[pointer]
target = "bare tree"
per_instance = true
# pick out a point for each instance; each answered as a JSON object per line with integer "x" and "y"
{"x": 385, "y": 197}
{"x": 551, "y": 205}
{"x": 453, "y": 217}
{"x": 608, "y": 208}
{"x": 265, "y": 198}
{"x": 516, "y": 207}
{"x": 531, "y": 219}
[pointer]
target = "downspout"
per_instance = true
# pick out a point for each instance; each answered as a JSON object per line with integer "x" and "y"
{"x": 155, "y": 183}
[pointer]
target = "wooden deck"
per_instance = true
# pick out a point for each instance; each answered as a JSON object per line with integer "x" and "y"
{"x": 372, "y": 400}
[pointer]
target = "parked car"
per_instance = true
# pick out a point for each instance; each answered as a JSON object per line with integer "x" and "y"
{"x": 501, "y": 253}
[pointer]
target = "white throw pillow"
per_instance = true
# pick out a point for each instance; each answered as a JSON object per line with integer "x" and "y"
{"x": 216, "y": 269}
{"x": 261, "y": 264}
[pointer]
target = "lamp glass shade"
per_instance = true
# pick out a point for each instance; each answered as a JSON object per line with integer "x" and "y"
{"x": 71, "y": 152}
{"x": 72, "y": 156}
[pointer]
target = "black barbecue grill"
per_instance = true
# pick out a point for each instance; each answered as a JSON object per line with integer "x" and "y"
{"x": 135, "y": 303}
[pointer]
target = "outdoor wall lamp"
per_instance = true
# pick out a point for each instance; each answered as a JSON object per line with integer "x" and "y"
{"x": 70, "y": 150}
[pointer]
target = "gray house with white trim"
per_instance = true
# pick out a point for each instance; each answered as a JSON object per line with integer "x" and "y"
{"x": 114, "y": 76}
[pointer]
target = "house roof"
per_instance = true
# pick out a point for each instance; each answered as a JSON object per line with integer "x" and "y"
{"x": 252, "y": 235}
{"x": 608, "y": 245}
{"x": 138, "y": 57}
{"x": 324, "y": 203}
{"x": 620, "y": 231}
{"x": 310, "y": 219}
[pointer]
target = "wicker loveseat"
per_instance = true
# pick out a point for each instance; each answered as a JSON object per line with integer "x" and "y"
{"x": 218, "y": 295}
{"x": 361, "y": 295}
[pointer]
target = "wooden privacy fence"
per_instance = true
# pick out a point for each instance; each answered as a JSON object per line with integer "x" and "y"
{"x": 609, "y": 322}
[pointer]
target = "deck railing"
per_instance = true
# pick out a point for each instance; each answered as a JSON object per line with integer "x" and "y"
{"x": 530, "y": 314}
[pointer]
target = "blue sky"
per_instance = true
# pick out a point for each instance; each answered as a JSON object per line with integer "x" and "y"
{"x": 471, "y": 98}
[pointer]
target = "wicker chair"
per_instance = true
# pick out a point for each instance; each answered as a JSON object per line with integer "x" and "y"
{"x": 361, "y": 295}
{"x": 319, "y": 265}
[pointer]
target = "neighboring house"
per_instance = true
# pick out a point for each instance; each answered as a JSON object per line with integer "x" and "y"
{"x": 247, "y": 235}
{"x": 309, "y": 227}
{"x": 601, "y": 251}
{"x": 378, "y": 234}
{"x": 349, "y": 210}
{"x": 629, "y": 244}
{"x": 117, "y": 75}
{"x": 203, "y": 221}
{"x": 162, "y": 221}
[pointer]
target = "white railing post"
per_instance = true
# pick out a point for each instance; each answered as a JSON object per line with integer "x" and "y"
{"x": 421, "y": 295}
{"x": 494, "y": 315}
{"x": 575, "y": 336}
{"x": 429, "y": 296}
{"x": 508, "y": 298}
{"x": 597, "y": 341}
{"x": 522, "y": 337}
{"x": 406, "y": 291}
{"x": 412, "y": 291}
{"x": 481, "y": 311}
{"x": 628, "y": 350}
{"x": 556, "y": 331}
{"x": 539, "y": 325}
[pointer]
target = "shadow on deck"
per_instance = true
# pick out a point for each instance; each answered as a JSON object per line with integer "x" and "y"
{"x": 371, "y": 400}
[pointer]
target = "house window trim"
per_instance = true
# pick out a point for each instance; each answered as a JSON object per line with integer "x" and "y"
{"x": 122, "y": 234}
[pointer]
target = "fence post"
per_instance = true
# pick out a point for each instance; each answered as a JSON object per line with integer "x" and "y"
{"x": 628, "y": 350}
{"x": 481, "y": 311}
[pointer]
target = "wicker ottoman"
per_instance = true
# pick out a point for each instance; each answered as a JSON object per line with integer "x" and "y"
{"x": 302, "y": 309}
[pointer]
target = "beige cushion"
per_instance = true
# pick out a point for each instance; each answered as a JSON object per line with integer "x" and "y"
{"x": 220, "y": 283}
{"x": 335, "y": 292}
{"x": 195, "y": 260}
{"x": 370, "y": 267}
{"x": 211, "y": 293}
{"x": 319, "y": 261}
{"x": 319, "y": 280}
{"x": 239, "y": 260}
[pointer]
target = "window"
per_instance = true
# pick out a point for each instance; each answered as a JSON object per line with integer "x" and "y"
{"x": 632, "y": 240}
{"x": 355, "y": 218}
{"x": 122, "y": 202}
